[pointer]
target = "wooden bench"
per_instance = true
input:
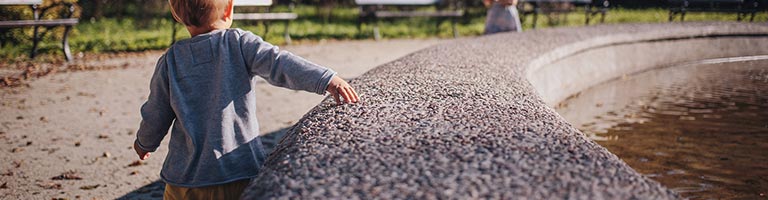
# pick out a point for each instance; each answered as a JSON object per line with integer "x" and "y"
{"x": 36, "y": 22}
{"x": 742, "y": 8}
{"x": 260, "y": 16}
{"x": 536, "y": 7}
{"x": 375, "y": 10}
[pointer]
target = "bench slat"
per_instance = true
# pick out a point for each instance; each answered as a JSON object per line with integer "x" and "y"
{"x": 45, "y": 22}
{"x": 21, "y": 2}
{"x": 708, "y": 1}
{"x": 557, "y": 1}
{"x": 389, "y": 14}
{"x": 252, "y": 2}
{"x": 396, "y": 2}
{"x": 265, "y": 16}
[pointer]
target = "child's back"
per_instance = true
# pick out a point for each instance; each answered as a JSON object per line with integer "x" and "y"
{"x": 204, "y": 87}
{"x": 206, "y": 83}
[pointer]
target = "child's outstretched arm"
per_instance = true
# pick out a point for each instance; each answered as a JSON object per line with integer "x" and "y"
{"x": 283, "y": 69}
{"x": 338, "y": 87}
{"x": 157, "y": 114}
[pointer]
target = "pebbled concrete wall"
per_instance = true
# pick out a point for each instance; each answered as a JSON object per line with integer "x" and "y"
{"x": 461, "y": 120}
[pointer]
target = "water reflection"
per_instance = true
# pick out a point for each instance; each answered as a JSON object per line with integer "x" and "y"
{"x": 701, "y": 130}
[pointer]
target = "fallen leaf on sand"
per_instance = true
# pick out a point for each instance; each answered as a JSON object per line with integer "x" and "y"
{"x": 85, "y": 94}
{"x": 8, "y": 173}
{"x": 4, "y": 186}
{"x": 103, "y": 136}
{"x": 136, "y": 163}
{"x": 18, "y": 163}
{"x": 90, "y": 187}
{"x": 134, "y": 173}
{"x": 49, "y": 185}
{"x": 69, "y": 175}
{"x": 50, "y": 150}
{"x": 77, "y": 144}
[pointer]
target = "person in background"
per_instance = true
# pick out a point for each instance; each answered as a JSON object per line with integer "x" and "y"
{"x": 502, "y": 16}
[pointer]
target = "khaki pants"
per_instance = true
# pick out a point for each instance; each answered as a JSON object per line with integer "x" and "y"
{"x": 231, "y": 190}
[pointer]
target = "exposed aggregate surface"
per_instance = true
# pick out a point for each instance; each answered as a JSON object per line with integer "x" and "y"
{"x": 460, "y": 121}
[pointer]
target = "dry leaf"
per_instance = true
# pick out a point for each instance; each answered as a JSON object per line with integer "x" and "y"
{"x": 90, "y": 187}
{"x": 8, "y": 173}
{"x": 18, "y": 163}
{"x": 136, "y": 163}
{"x": 69, "y": 175}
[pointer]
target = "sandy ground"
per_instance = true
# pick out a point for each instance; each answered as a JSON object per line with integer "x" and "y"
{"x": 69, "y": 135}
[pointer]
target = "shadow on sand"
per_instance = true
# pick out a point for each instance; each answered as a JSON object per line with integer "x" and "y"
{"x": 155, "y": 189}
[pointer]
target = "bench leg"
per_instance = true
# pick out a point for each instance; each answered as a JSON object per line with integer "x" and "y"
{"x": 588, "y": 13}
{"x": 671, "y": 16}
{"x": 360, "y": 20}
{"x": 359, "y": 26}
{"x": 682, "y": 16}
{"x": 266, "y": 29}
{"x": 35, "y": 40}
{"x": 65, "y": 44}
{"x": 603, "y": 11}
{"x": 36, "y": 15}
{"x": 286, "y": 34}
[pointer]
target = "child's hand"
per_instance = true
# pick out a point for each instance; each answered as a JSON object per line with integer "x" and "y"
{"x": 143, "y": 155}
{"x": 339, "y": 87}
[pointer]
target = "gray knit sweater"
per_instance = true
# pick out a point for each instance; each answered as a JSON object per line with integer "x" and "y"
{"x": 204, "y": 88}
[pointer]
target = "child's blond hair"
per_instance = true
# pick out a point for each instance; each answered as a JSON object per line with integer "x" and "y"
{"x": 198, "y": 13}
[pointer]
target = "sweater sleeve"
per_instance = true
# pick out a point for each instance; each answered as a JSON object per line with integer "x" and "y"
{"x": 282, "y": 68}
{"x": 157, "y": 114}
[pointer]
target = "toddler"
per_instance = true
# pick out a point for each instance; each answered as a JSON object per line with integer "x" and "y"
{"x": 203, "y": 87}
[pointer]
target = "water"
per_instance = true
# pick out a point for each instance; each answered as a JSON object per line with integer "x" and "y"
{"x": 700, "y": 129}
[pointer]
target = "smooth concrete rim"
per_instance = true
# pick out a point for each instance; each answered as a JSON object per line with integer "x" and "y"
{"x": 554, "y": 66}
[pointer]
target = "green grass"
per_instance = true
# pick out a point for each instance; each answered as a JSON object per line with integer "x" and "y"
{"x": 113, "y": 35}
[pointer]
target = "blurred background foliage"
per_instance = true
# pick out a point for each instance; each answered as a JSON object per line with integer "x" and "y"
{"x": 139, "y": 25}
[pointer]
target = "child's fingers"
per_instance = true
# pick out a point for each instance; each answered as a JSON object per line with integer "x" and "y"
{"x": 145, "y": 156}
{"x": 351, "y": 94}
{"x": 347, "y": 96}
{"x": 335, "y": 95}
{"x": 357, "y": 98}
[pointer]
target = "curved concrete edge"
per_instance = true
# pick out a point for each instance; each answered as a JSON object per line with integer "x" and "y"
{"x": 461, "y": 120}
{"x": 576, "y": 67}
